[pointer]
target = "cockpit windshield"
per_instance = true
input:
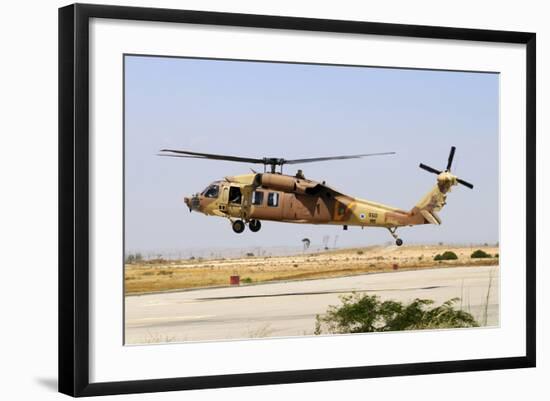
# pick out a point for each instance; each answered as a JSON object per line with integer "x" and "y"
{"x": 211, "y": 191}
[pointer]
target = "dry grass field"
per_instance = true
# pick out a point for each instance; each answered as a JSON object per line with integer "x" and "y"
{"x": 163, "y": 275}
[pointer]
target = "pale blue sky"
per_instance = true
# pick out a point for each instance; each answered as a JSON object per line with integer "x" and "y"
{"x": 260, "y": 109}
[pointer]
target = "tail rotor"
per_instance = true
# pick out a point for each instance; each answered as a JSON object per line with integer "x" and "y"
{"x": 447, "y": 170}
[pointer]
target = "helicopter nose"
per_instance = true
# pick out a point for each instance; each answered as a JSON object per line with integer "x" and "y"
{"x": 187, "y": 201}
{"x": 193, "y": 203}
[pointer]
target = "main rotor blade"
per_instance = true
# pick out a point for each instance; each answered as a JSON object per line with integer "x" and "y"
{"x": 322, "y": 159}
{"x": 198, "y": 155}
{"x": 184, "y": 156}
{"x": 465, "y": 183}
{"x": 451, "y": 157}
{"x": 430, "y": 169}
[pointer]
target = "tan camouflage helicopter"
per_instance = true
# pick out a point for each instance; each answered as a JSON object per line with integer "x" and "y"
{"x": 250, "y": 198}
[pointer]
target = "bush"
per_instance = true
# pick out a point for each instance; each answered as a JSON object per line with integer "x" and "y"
{"x": 360, "y": 252}
{"x": 246, "y": 280}
{"x": 479, "y": 254}
{"x": 447, "y": 255}
{"x": 366, "y": 313}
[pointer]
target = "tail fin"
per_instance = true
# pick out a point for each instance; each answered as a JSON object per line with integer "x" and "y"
{"x": 434, "y": 200}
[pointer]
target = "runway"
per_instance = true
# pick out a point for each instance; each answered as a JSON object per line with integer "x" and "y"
{"x": 289, "y": 308}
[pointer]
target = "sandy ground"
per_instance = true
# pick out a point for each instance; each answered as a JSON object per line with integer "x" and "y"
{"x": 161, "y": 275}
{"x": 289, "y": 308}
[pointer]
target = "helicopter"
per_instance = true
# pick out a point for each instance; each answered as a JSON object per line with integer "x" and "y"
{"x": 248, "y": 199}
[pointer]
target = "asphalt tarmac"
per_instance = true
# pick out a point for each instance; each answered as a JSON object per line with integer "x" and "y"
{"x": 285, "y": 309}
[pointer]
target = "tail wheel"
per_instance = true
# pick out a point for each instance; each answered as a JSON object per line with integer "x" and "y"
{"x": 255, "y": 225}
{"x": 398, "y": 241}
{"x": 238, "y": 226}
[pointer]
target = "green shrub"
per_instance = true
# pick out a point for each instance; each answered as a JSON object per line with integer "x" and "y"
{"x": 479, "y": 254}
{"x": 360, "y": 252}
{"x": 366, "y": 313}
{"x": 447, "y": 255}
{"x": 246, "y": 280}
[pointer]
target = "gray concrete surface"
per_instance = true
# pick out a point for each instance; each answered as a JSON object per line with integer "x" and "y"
{"x": 289, "y": 308}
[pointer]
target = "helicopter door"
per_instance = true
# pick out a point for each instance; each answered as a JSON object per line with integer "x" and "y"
{"x": 224, "y": 199}
{"x": 239, "y": 201}
{"x": 246, "y": 201}
{"x": 233, "y": 200}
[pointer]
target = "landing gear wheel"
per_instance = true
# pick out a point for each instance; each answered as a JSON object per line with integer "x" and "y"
{"x": 398, "y": 241}
{"x": 238, "y": 226}
{"x": 255, "y": 225}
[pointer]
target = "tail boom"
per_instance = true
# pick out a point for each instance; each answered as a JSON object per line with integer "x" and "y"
{"x": 435, "y": 199}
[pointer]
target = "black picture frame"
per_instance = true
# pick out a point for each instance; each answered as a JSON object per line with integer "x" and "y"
{"x": 74, "y": 198}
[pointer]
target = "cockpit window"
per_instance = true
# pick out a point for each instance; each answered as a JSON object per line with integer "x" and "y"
{"x": 211, "y": 191}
